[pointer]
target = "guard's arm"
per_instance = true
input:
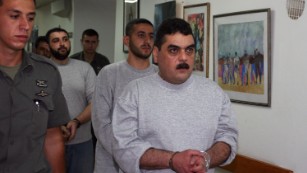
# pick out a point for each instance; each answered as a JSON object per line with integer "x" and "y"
{"x": 55, "y": 150}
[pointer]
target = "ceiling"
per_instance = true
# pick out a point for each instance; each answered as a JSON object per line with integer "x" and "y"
{"x": 40, "y": 3}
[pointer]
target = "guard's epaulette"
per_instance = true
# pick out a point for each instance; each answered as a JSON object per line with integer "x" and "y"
{"x": 42, "y": 59}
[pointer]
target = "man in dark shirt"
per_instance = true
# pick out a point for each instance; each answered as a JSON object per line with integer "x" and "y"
{"x": 90, "y": 41}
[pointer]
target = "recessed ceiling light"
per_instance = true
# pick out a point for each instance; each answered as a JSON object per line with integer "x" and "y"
{"x": 130, "y": 1}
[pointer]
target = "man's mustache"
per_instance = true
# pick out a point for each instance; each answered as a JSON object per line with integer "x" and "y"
{"x": 146, "y": 46}
{"x": 62, "y": 47}
{"x": 183, "y": 66}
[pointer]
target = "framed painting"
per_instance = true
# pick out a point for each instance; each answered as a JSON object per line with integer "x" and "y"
{"x": 131, "y": 11}
{"x": 198, "y": 16}
{"x": 164, "y": 11}
{"x": 242, "y": 55}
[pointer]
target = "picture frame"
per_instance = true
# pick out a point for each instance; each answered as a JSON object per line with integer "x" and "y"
{"x": 131, "y": 11}
{"x": 198, "y": 15}
{"x": 242, "y": 55}
{"x": 164, "y": 11}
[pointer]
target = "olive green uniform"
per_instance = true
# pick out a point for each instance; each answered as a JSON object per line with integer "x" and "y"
{"x": 29, "y": 104}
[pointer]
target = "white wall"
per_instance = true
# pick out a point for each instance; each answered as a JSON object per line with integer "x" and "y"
{"x": 277, "y": 134}
{"x": 99, "y": 15}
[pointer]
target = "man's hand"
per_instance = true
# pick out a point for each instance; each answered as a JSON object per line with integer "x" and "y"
{"x": 189, "y": 161}
{"x": 69, "y": 131}
{"x": 199, "y": 164}
{"x": 65, "y": 132}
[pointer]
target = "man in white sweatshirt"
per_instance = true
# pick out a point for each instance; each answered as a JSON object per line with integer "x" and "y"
{"x": 173, "y": 120}
{"x": 110, "y": 83}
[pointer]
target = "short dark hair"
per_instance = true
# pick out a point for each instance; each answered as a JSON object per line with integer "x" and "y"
{"x": 90, "y": 32}
{"x": 57, "y": 29}
{"x": 39, "y": 40}
{"x": 130, "y": 25}
{"x": 171, "y": 26}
